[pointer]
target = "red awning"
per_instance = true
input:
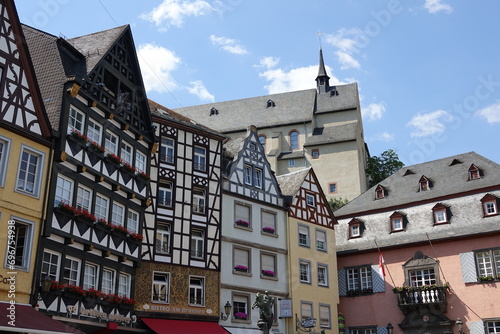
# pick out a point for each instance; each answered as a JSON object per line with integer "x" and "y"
{"x": 23, "y": 318}
{"x": 164, "y": 326}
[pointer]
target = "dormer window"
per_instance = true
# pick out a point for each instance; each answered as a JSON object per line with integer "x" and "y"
{"x": 214, "y": 111}
{"x": 397, "y": 222}
{"x": 424, "y": 184}
{"x": 380, "y": 192}
{"x": 271, "y": 104}
{"x": 440, "y": 213}
{"x": 474, "y": 172}
{"x": 356, "y": 228}
{"x": 490, "y": 205}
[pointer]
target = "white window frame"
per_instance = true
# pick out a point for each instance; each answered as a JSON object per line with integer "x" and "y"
{"x": 163, "y": 237}
{"x": 70, "y": 279}
{"x": 321, "y": 245}
{"x": 163, "y": 190}
{"x": 118, "y": 214}
{"x": 199, "y": 201}
{"x": 397, "y": 224}
{"x": 265, "y": 266}
{"x": 247, "y": 175}
{"x": 158, "y": 285}
{"x": 355, "y": 230}
{"x": 488, "y": 262}
{"x": 64, "y": 190}
{"x": 4, "y": 158}
{"x": 24, "y": 243}
{"x": 200, "y": 158}
{"x": 52, "y": 266}
{"x": 101, "y": 207}
{"x": 323, "y": 321}
{"x": 140, "y": 161}
{"x": 76, "y": 120}
{"x": 108, "y": 283}
{"x": 359, "y": 278}
{"x": 310, "y": 200}
{"x": 257, "y": 177}
{"x": 422, "y": 276}
{"x": 90, "y": 276}
{"x": 111, "y": 142}
{"x": 196, "y": 290}
{"x": 33, "y": 178}
{"x": 303, "y": 238}
{"x": 323, "y": 275}
{"x": 167, "y": 150}
{"x": 490, "y": 207}
{"x": 305, "y": 271}
{"x": 124, "y": 282}
{"x": 240, "y": 213}
{"x": 198, "y": 244}
{"x": 241, "y": 303}
{"x": 126, "y": 152}
{"x": 132, "y": 221}
{"x": 241, "y": 257}
{"x": 291, "y": 163}
{"x": 94, "y": 131}
{"x": 84, "y": 198}
{"x": 492, "y": 326}
{"x": 271, "y": 222}
{"x": 440, "y": 216}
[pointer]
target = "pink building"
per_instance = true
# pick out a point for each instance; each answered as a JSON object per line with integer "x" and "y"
{"x": 436, "y": 228}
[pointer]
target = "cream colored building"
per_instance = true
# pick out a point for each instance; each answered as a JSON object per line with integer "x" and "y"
{"x": 320, "y": 128}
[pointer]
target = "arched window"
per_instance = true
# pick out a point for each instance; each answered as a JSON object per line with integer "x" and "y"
{"x": 294, "y": 140}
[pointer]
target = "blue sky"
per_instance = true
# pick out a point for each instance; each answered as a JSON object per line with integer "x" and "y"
{"x": 428, "y": 70}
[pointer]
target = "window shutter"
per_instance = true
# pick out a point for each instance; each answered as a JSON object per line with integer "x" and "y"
{"x": 324, "y": 315}
{"x": 268, "y": 219}
{"x": 305, "y": 310}
{"x": 241, "y": 257}
{"x": 303, "y": 230}
{"x": 321, "y": 236}
{"x": 378, "y": 281}
{"x": 476, "y": 327}
{"x": 242, "y": 212}
{"x": 342, "y": 282}
{"x": 468, "y": 264}
{"x": 268, "y": 262}
{"x": 382, "y": 330}
{"x": 240, "y": 299}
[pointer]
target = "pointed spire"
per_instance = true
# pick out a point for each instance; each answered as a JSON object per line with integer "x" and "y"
{"x": 322, "y": 80}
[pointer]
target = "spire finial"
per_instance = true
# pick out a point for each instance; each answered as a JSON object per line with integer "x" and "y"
{"x": 319, "y": 39}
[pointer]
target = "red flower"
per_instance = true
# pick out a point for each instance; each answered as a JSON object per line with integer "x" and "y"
{"x": 136, "y": 236}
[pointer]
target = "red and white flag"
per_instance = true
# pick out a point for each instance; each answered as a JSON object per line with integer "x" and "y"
{"x": 381, "y": 263}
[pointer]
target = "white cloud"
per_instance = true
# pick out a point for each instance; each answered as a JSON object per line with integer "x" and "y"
{"x": 490, "y": 113}
{"x": 429, "y": 124}
{"x": 346, "y": 60}
{"x": 347, "y": 42}
{"x": 198, "y": 88}
{"x": 384, "y": 136}
{"x": 228, "y": 44}
{"x": 157, "y": 63}
{"x": 374, "y": 111}
{"x": 436, "y": 6}
{"x": 173, "y": 12}
{"x": 268, "y": 62}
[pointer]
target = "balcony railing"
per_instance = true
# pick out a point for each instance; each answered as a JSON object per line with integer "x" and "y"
{"x": 409, "y": 297}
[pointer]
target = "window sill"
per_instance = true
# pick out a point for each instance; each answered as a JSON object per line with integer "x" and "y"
{"x": 242, "y": 273}
{"x": 245, "y": 228}
{"x": 271, "y": 278}
{"x": 491, "y": 215}
{"x": 273, "y": 235}
{"x": 241, "y": 321}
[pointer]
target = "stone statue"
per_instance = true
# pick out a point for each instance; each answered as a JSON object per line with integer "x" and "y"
{"x": 265, "y": 304}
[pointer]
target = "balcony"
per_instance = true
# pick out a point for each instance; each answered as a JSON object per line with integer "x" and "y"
{"x": 413, "y": 298}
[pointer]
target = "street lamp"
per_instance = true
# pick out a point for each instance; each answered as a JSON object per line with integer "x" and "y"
{"x": 390, "y": 328}
{"x": 459, "y": 324}
{"x": 227, "y": 311}
{"x": 46, "y": 283}
{"x": 305, "y": 325}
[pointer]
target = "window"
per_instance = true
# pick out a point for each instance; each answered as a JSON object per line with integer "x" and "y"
{"x": 197, "y": 244}
{"x": 268, "y": 265}
{"x": 303, "y": 236}
{"x": 493, "y": 327}
{"x": 163, "y": 236}
{"x": 355, "y": 228}
{"x": 94, "y": 131}
{"x": 64, "y": 190}
{"x": 332, "y": 188}
{"x": 321, "y": 240}
{"x": 242, "y": 215}
{"x": 397, "y": 222}
{"x": 488, "y": 263}
{"x": 291, "y": 162}
{"x": 118, "y": 214}
{"x": 71, "y": 274}
{"x": 167, "y": 150}
{"x": 140, "y": 161}
{"x": 21, "y": 248}
{"x": 124, "y": 285}
{"x": 310, "y": 200}
{"x": 315, "y": 153}
{"x": 257, "y": 178}
{"x": 101, "y": 207}
{"x": 421, "y": 277}
{"x": 474, "y": 172}
{"x": 268, "y": 221}
{"x": 424, "y": 184}
{"x": 200, "y": 158}
{"x": 306, "y": 311}
{"x": 241, "y": 260}
{"x": 76, "y": 120}
{"x": 440, "y": 213}
{"x": 29, "y": 171}
{"x": 241, "y": 310}
{"x": 108, "y": 281}
{"x": 165, "y": 194}
{"x": 111, "y": 143}
{"x": 379, "y": 192}
{"x": 325, "y": 316}
{"x": 262, "y": 140}
{"x": 364, "y": 330}
{"x": 294, "y": 140}
{"x": 305, "y": 271}
{"x": 83, "y": 198}
{"x": 322, "y": 275}
{"x": 126, "y": 152}
{"x": 132, "y": 221}
{"x": 198, "y": 201}
{"x": 4, "y": 157}
{"x": 161, "y": 287}
{"x": 196, "y": 291}
{"x": 90, "y": 276}
{"x": 50, "y": 265}
{"x": 248, "y": 175}
{"x": 359, "y": 279}
{"x": 490, "y": 205}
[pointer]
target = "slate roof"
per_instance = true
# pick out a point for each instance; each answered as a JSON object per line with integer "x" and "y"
{"x": 290, "y": 183}
{"x": 234, "y": 145}
{"x": 446, "y": 177}
{"x": 290, "y": 108}
{"x": 334, "y": 134}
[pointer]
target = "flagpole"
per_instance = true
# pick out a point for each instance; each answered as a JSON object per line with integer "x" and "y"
{"x": 380, "y": 252}
{"x": 434, "y": 252}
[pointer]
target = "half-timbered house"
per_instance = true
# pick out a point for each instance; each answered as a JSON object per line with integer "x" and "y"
{"x": 177, "y": 284}
{"x": 98, "y": 189}
{"x": 311, "y": 255}
{"x": 254, "y": 235}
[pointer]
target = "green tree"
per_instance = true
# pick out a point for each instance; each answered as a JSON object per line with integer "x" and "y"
{"x": 337, "y": 203}
{"x": 379, "y": 168}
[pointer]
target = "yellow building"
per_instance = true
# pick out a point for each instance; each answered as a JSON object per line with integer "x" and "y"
{"x": 312, "y": 256}
{"x": 25, "y": 140}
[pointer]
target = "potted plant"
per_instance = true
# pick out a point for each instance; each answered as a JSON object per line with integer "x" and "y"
{"x": 73, "y": 291}
{"x": 128, "y": 167}
{"x": 96, "y": 147}
{"x": 143, "y": 176}
{"x": 241, "y": 316}
{"x": 487, "y": 278}
{"x": 268, "y": 230}
{"x": 135, "y": 236}
{"x": 269, "y": 273}
{"x": 114, "y": 158}
{"x": 78, "y": 136}
{"x": 243, "y": 223}
{"x": 241, "y": 268}
{"x": 86, "y": 216}
{"x": 64, "y": 207}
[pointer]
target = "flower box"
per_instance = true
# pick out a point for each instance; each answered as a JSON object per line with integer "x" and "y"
{"x": 241, "y": 316}
{"x": 242, "y": 223}
{"x": 269, "y": 273}
{"x": 135, "y": 236}
{"x": 488, "y": 278}
{"x": 113, "y": 159}
{"x": 268, "y": 230}
{"x": 241, "y": 268}
{"x": 128, "y": 168}
{"x": 77, "y": 136}
{"x": 85, "y": 216}
{"x": 95, "y": 147}
{"x": 143, "y": 176}
{"x": 65, "y": 208}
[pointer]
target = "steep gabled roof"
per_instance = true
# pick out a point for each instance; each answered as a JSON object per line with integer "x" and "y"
{"x": 447, "y": 179}
{"x": 290, "y": 183}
